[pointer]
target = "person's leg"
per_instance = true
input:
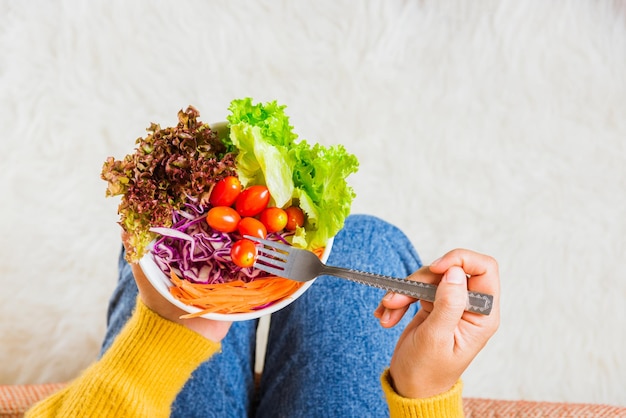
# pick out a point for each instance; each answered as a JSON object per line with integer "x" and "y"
{"x": 221, "y": 387}
{"x": 326, "y": 351}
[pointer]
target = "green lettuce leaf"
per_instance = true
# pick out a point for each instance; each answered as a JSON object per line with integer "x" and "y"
{"x": 259, "y": 162}
{"x": 314, "y": 177}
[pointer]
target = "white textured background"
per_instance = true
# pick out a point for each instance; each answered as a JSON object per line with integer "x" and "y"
{"x": 497, "y": 126}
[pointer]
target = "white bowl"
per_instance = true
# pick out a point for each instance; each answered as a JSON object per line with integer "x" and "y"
{"x": 162, "y": 283}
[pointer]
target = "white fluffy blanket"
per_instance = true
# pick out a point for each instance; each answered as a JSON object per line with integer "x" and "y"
{"x": 495, "y": 125}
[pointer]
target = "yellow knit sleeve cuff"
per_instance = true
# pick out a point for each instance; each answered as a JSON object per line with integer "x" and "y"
{"x": 152, "y": 349}
{"x": 445, "y": 405}
{"x": 138, "y": 376}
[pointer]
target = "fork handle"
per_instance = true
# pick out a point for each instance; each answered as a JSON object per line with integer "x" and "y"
{"x": 480, "y": 303}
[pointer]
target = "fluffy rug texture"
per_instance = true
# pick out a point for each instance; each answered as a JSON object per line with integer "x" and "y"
{"x": 496, "y": 126}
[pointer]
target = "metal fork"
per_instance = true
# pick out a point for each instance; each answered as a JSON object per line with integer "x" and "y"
{"x": 302, "y": 265}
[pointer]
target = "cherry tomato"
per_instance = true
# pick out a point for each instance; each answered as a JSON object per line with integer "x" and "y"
{"x": 252, "y": 200}
{"x": 295, "y": 218}
{"x": 223, "y": 218}
{"x": 252, "y": 226}
{"x": 243, "y": 253}
{"x": 225, "y": 191}
{"x": 274, "y": 219}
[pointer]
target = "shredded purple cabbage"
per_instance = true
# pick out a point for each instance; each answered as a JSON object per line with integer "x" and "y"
{"x": 197, "y": 253}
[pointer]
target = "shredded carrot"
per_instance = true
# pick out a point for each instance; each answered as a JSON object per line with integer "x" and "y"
{"x": 233, "y": 297}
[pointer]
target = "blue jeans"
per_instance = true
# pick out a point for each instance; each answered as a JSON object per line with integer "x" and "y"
{"x": 325, "y": 352}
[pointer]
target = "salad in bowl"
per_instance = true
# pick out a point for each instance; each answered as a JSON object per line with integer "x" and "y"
{"x": 190, "y": 193}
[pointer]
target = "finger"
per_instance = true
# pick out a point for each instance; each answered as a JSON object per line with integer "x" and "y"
{"x": 484, "y": 278}
{"x": 450, "y": 301}
{"x": 140, "y": 278}
{"x": 392, "y": 308}
{"x": 426, "y": 275}
{"x": 396, "y": 301}
{"x": 426, "y": 306}
{"x": 471, "y": 262}
{"x": 150, "y": 296}
{"x": 394, "y": 305}
{"x": 483, "y": 269}
{"x": 389, "y": 317}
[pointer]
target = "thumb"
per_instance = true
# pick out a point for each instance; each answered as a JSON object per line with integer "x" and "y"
{"x": 450, "y": 300}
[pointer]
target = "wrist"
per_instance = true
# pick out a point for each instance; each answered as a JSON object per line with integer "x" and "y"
{"x": 418, "y": 385}
{"x": 446, "y": 404}
{"x": 211, "y": 330}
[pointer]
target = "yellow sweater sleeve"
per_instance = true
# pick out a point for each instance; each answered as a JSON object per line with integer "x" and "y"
{"x": 139, "y": 376}
{"x": 152, "y": 358}
{"x": 445, "y": 405}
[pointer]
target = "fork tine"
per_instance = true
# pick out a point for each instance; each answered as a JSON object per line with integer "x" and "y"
{"x": 271, "y": 262}
{"x": 280, "y": 257}
{"x": 268, "y": 269}
{"x": 273, "y": 244}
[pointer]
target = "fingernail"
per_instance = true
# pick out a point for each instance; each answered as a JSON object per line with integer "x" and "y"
{"x": 455, "y": 276}
{"x": 436, "y": 261}
{"x": 389, "y": 296}
{"x": 386, "y": 315}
